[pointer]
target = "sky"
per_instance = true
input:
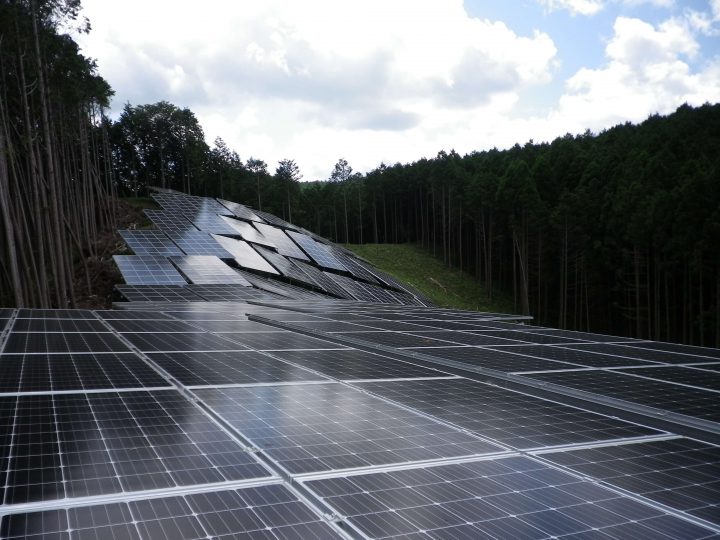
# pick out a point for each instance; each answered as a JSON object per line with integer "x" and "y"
{"x": 390, "y": 81}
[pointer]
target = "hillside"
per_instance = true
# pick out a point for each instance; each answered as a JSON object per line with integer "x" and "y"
{"x": 446, "y": 287}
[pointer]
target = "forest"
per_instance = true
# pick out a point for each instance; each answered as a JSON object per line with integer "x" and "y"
{"x": 614, "y": 232}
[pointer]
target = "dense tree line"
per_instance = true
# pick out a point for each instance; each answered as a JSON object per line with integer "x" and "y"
{"x": 616, "y": 232}
{"x": 54, "y": 178}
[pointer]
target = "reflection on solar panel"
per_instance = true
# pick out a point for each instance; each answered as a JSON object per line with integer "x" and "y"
{"x": 282, "y": 241}
{"x": 248, "y": 232}
{"x": 149, "y": 242}
{"x": 505, "y": 498}
{"x": 212, "y": 223}
{"x": 322, "y": 280}
{"x": 283, "y": 289}
{"x": 334, "y": 427}
{"x": 147, "y": 270}
{"x": 317, "y": 252}
{"x": 198, "y": 243}
{"x": 353, "y": 266}
{"x": 245, "y": 256}
{"x": 275, "y": 220}
{"x": 230, "y": 293}
{"x": 240, "y": 210}
{"x": 203, "y": 269}
{"x": 285, "y": 266}
{"x": 363, "y": 291}
{"x": 190, "y": 205}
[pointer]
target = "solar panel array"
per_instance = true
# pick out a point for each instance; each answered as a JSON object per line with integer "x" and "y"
{"x": 273, "y": 410}
{"x": 204, "y": 270}
{"x": 147, "y": 270}
{"x": 150, "y": 242}
{"x": 318, "y": 252}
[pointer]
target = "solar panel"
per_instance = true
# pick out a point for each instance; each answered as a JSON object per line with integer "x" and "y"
{"x": 351, "y": 364}
{"x": 678, "y": 348}
{"x": 657, "y": 394}
{"x": 245, "y": 255}
{"x": 58, "y": 342}
{"x": 147, "y": 270}
{"x": 78, "y": 445}
{"x": 396, "y": 339}
{"x": 510, "y": 418}
{"x": 353, "y": 266}
{"x": 515, "y": 497}
{"x": 317, "y": 252}
{"x": 275, "y": 220}
{"x": 149, "y": 242}
{"x": 169, "y": 221}
{"x": 140, "y": 326}
{"x": 190, "y": 205}
{"x": 324, "y": 427}
{"x": 198, "y": 243}
{"x": 572, "y": 356}
{"x": 679, "y": 473}
{"x": 159, "y": 342}
{"x": 264, "y": 512}
{"x": 362, "y": 291}
{"x": 223, "y": 368}
{"x": 204, "y": 269}
{"x": 285, "y": 266}
{"x": 638, "y": 353}
{"x": 283, "y": 243}
{"x": 248, "y": 233}
{"x": 504, "y": 361}
{"x": 283, "y": 289}
{"x": 58, "y": 325}
{"x": 157, "y": 293}
{"x": 279, "y": 340}
{"x": 322, "y": 281}
{"x": 230, "y": 293}
{"x": 239, "y": 210}
{"x": 212, "y": 223}
{"x": 63, "y": 372}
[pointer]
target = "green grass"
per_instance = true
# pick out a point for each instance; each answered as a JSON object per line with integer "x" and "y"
{"x": 445, "y": 287}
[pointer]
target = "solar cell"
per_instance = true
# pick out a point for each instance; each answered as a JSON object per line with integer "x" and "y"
{"x": 282, "y": 241}
{"x": 245, "y": 255}
{"x": 680, "y": 473}
{"x": 139, "y": 326}
{"x": 149, "y": 242}
{"x": 506, "y": 362}
{"x": 55, "y": 314}
{"x": 637, "y": 353}
{"x": 157, "y": 293}
{"x": 464, "y": 338}
{"x": 269, "y": 512}
{"x": 528, "y": 337}
{"x": 511, "y": 418}
{"x": 221, "y": 368}
{"x": 503, "y": 498}
{"x": 57, "y": 342}
{"x": 239, "y": 210}
{"x": 679, "y": 375}
{"x": 278, "y": 340}
{"x": 198, "y": 243}
{"x": 64, "y": 372}
{"x": 317, "y": 252}
{"x": 657, "y": 394}
{"x": 78, "y": 445}
{"x": 677, "y": 348}
{"x": 216, "y": 292}
{"x": 351, "y": 364}
{"x": 147, "y": 270}
{"x": 322, "y": 427}
{"x": 58, "y": 325}
{"x": 207, "y": 269}
{"x": 395, "y": 339}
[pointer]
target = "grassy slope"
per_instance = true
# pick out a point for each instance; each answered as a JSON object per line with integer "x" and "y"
{"x": 446, "y": 287}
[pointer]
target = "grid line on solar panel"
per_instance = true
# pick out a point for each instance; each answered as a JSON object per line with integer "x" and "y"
{"x": 638, "y": 353}
{"x": 58, "y": 325}
{"x": 160, "y": 342}
{"x": 245, "y": 255}
{"x": 275, "y": 339}
{"x": 661, "y": 395}
{"x": 324, "y": 427}
{"x": 514, "y": 419}
{"x": 362, "y": 291}
{"x": 676, "y": 347}
{"x": 285, "y": 246}
{"x": 149, "y": 242}
{"x": 265, "y": 512}
{"x": 687, "y": 376}
{"x": 570, "y": 356}
{"x": 141, "y": 326}
{"x": 317, "y": 252}
{"x": 168, "y": 221}
{"x": 147, "y": 270}
{"x": 239, "y": 210}
{"x": 65, "y": 372}
{"x": 276, "y": 221}
{"x": 285, "y": 266}
{"x": 156, "y": 293}
{"x": 679, "y": 473}
{"x": 248, "y": 233}
{"x": 57, "y": 342}
{"x": 190, "y": 204}
{"x": 222, "y": 368}
{"x": 352, "y": 266}
{"x": 81, "y": 445}
{"x": 226, "y": 293}
{"x": 513, "y": 497}
{"x": 28, "y": 313}
{"x": 207, "y": 269}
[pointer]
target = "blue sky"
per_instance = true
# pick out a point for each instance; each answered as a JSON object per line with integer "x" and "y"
{"x": 394, "y": 81}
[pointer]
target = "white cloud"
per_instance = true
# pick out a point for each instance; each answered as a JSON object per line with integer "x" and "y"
{"x": 309, "y": 80}
{"x": 647, "y": 72}
{"x": 575, "y": 7}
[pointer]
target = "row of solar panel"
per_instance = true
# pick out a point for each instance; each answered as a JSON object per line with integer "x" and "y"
{"x": 139, "y": 440}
